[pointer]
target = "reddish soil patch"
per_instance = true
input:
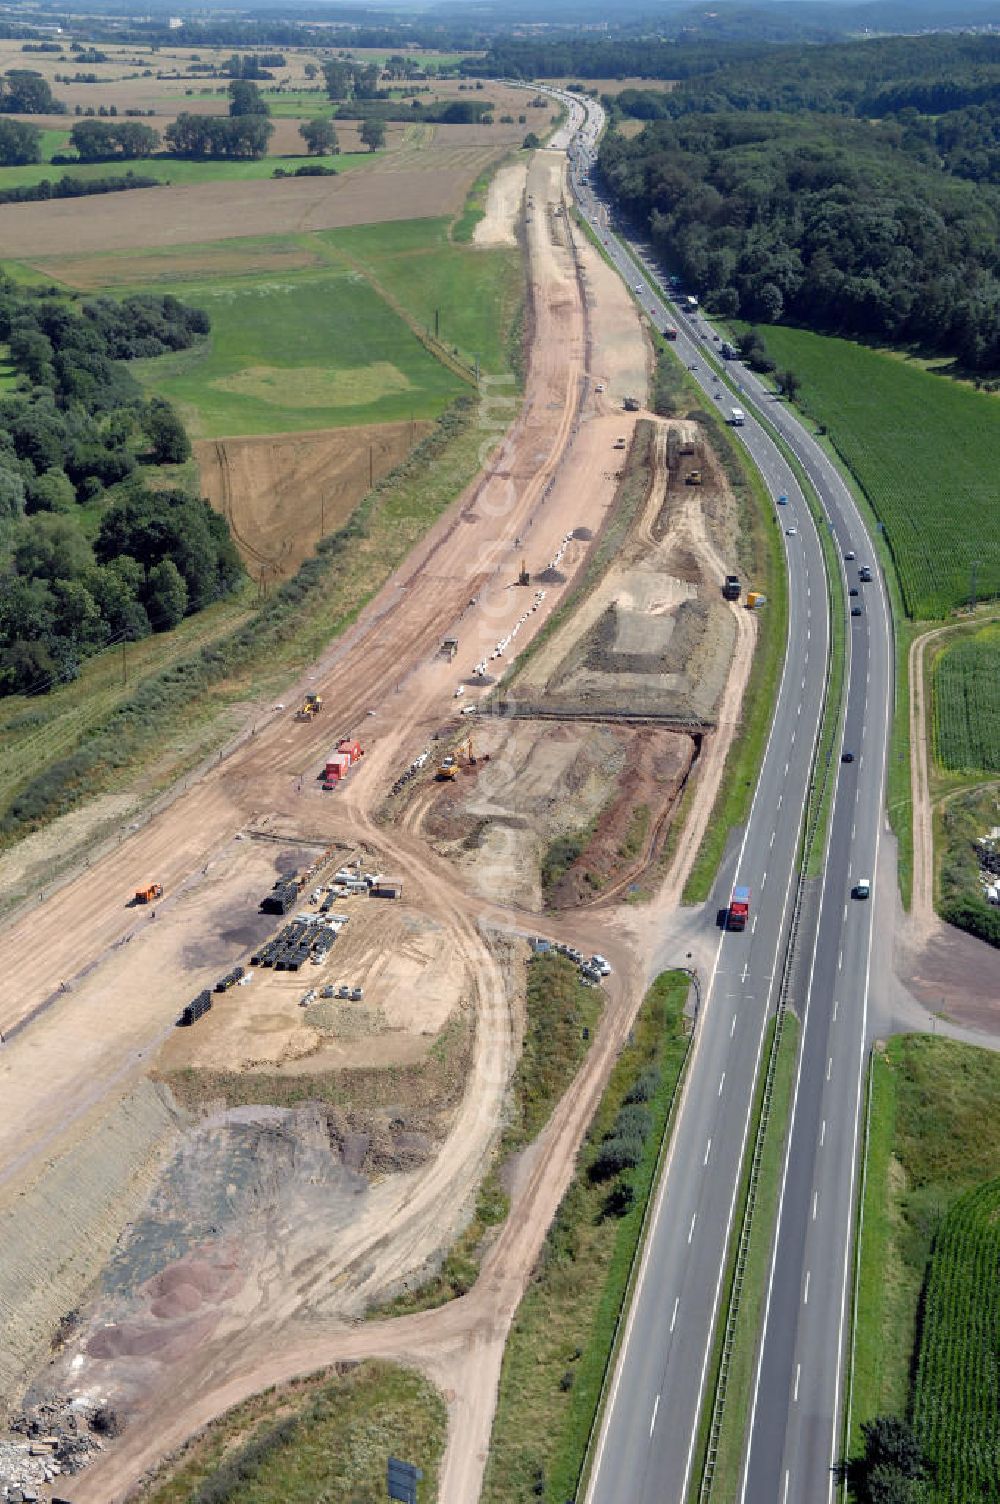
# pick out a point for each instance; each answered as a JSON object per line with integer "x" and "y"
{"x": 631, "y": 830}
{"x": 958, "y": 975}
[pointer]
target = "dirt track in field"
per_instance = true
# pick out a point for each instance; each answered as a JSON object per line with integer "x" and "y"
{"x": 90, "y": 1046}
{"x": 280, "y": 493}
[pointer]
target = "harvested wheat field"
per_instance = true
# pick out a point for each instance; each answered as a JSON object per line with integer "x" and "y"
{"x": 277, "y": 491}
{"x": 228, "y": 210}
{"x": 271, "y": 257}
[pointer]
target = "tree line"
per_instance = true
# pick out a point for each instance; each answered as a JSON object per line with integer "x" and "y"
{"x": 821, "y": 221}
{"x": 76, "y": 435}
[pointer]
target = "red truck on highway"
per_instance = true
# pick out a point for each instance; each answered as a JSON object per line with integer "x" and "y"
{"x": 739, "y": 909}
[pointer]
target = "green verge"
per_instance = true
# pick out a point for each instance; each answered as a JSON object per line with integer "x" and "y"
{"x": 561, "y": 1014}
{"x": 321, "y": 1438}
{"x": 464, "y": 227}
{"x": 934, "y": 1133}
{"x": 731, "y": 1450}
{"x": 562, "y": 1337}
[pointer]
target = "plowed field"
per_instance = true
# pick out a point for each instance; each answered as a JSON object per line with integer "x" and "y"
{"x": 278, "y": 491}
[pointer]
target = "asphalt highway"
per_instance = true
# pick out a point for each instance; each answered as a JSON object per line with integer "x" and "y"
{"x": 645, "y": 1448}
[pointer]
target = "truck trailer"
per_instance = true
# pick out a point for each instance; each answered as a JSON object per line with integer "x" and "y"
{"x": 739, "y": 909}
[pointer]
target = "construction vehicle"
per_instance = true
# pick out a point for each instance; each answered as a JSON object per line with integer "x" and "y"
{"x": 739, "y": 909}
{"x": 737, "y": 417}
{"x": 523, "y": 578}
{"x": 755, "y": 599}
{"x": 731, "y": 589}
{"x": 693, "y": 478}
{"x": 150, "y": 892}
{"x": 311, "y": 706}
{"x": 447, "y": 770}
{"x": 631, "y": 404}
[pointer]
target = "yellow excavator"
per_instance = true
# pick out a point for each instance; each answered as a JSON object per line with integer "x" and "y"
{"x": 448, "y": 768}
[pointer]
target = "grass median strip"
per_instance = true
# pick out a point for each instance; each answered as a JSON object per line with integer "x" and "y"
{"x": 562, "y": 1337}
{"x": 730, "y": 1453}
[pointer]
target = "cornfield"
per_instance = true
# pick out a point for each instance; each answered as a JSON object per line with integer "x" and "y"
{"x": 966, "y": 699}
{"x": 956, "y": 1407}
{"x": 925, "y": 449}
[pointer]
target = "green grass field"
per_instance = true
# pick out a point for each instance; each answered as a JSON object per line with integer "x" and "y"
{"x": 926, "y": 451}
{"x": 934, "y": 1135}
{"x": 956, "y": 1403}
{"x": 323, "y": 1438}
{"x": 312, "y": 352}
{"x": 965, "y": 690}
{"x": 468, "y": 297}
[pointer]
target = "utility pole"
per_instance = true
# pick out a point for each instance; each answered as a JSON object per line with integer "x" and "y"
{"x": 124, "y": 665}
{"x": 437, "y": 323}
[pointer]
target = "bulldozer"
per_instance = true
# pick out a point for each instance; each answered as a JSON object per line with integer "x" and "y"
{"x": 310, "y": 707}
{"x": 447, "y": 770}
{"x": 523, "y": 578}
{"x": 148, "y": 893}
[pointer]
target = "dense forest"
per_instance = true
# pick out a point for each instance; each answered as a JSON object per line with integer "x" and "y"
{"x": 73, "y": 438}
{"x": 857, "y": 191}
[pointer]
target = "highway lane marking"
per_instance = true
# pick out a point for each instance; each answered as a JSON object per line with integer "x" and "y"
{"x": 840, "y": 961}
{"x": 829, "y": 1068}
{"x": 753, "y": 926}
{"x": 691, "y": 1228}
{"x": 836, "y": 1005}
{"x": 784, "y": 1497}
{"x": 656, "y": 1406}
{"x": 798, "y": 1375}
{"x": 707, "y": 1152}
{"x": 780, "y": 797}
{"x": 763, "y": 879}
{"x": 786, "y": 770}
{"x": 771, "y": 842}
{"x": 732, "y": 1027}
{"x": 815, "y": 1204}
{"x": 722, "y": 1083}
{"x": 673, "y": 1317}
{"x": 822, "y": 1134}
{"x": 805, "y": 1293}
